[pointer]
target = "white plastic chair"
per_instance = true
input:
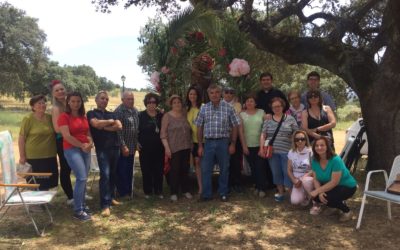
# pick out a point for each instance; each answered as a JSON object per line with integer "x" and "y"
{"x": 94, "y": 168}
{"x": 14, "y": 193}
{"x": 381, "y": 194}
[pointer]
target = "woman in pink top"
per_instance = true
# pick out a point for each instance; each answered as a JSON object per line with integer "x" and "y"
{"x": 77, "y": 144}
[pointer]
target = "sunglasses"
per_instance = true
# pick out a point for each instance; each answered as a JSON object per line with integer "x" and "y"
{"x": 312, "y": 96}
{"x": 229, "y": 92}
{"x": 299, "y": 139}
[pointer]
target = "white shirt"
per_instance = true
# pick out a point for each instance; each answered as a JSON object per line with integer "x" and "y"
{"x": 300, "y": 161}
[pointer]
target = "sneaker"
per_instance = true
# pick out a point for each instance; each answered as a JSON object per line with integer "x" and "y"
{"x": 147, "y": 197}
{"x": 261, "y": 194}
{"x": 87, "y": 210}
{"x": 224, "y": 198}
{"x": 174, "y": 197}
{"x": 315, "y": 210}
{"x": 279, "y": 197}
{"x": 88, "y": 197}
{"x": 161, "y": 196}
{"x": 106, "y": 212}
{"x": 82, "y": 216}
{"x": 70, "y": 202}
{"x": 188, "y": 195}
{"x": 346, "y": 216}
{"x": 116, "y": 203}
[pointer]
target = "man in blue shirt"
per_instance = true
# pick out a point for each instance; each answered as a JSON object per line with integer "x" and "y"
{"x": 103, "y": 127}
{"x": 218, "y": 123}
{"x": 313, "y": 82}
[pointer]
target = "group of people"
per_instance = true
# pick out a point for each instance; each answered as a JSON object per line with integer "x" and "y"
{"x": 298, "y": 129}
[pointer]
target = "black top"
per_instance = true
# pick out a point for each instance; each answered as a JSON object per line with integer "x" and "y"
{"x": 102, "y": 139}
{"x": 315, "y": 123}
{"x": 149, "y": 131}
{"x": 264, "y": 98}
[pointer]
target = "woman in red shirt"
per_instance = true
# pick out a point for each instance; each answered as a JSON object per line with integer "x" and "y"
{"x": 77, "y": 145}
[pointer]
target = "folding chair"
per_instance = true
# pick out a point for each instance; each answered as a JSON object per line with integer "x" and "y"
{"x": 382, "y": 194}
{"x": 14, "y": 193}
{"x": 94, "y": 168}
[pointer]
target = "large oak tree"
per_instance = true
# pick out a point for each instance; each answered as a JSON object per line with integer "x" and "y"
{"x": 358, "y": 41}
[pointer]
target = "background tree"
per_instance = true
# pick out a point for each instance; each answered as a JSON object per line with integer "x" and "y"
{"x": 22, "y": 50}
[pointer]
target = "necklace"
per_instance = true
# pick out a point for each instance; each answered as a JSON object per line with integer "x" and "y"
{"x": 153, "y": 119}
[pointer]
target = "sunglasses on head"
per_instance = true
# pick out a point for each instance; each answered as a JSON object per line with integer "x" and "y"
{"x": 299, "y": 139}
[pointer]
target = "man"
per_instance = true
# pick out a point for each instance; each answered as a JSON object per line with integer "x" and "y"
{"x": 128, "y": 138}
{"x": 267, "y": 92}
{"x": 264, "y": 97}
{"x": 313, "y": 83}
{"x": 218, "y": 122}
{"x": 235, "y": 183}
{"x": 103, "y": 126}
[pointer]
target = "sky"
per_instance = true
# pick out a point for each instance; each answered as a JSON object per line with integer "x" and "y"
{"x": 77, "y": 34}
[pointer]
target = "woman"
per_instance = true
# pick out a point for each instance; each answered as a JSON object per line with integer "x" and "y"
{"x": 151, "y": 150}
{"x": 299, "y": 168}
{"x": 317, "y": 120}
{"x": 77, "y": 146}
{"x": 176, "y": 138}
{"x": 193, "y": 103}
{"x": 250, "y": 132}
{"x": 59, "y": 95}
{"x": 296, "y": 107}
{"x": 37, "y": 143}
{"x": 281, "y": 144}
{"x": 333, "y": 181}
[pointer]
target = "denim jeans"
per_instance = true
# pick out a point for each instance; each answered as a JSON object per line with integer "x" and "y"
{"x": 125, "y": 175}
{"x": 79, "y": 162}
{"x": 215, "y": 149}
{"x": 278, "y": 164}
{"x": 108, "y": 160}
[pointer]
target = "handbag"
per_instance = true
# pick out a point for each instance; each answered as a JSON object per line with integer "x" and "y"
{"x": 394, "y": 188}
{"x": 268, "y": 148}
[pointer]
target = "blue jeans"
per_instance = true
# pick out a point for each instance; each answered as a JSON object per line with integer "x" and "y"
{"x": 79, "y": 162}
{"x": 278, "y": 164}
{"x": 124, "y": 175}
{"x": 215, "y": 149}
{"x": 108, "y": 160}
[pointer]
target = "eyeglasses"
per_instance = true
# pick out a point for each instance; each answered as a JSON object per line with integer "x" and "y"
{"x": 151, "y": 102}
{"x": 299, "y": 139}
{"x": 312, "y": 96}
{"x": 277, "y": 106}
{"x": 294, "y": 98}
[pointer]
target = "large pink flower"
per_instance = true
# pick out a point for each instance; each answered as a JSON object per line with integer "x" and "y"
{"x": 239, "y": 67}
{"x": 155, "y": 78}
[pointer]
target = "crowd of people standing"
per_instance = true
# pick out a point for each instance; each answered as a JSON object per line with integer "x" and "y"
{"x": 302, "y": 165}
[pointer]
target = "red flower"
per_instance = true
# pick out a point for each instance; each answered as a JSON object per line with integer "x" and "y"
{"x": 222, "y": 52}
{"x": 54, "y": 83}
{"x": 199, "y": 35}
{"x": 228, "y": 67}
{"x": 174, "y": 50}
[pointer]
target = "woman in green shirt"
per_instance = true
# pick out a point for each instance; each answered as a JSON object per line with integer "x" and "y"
{"x": 333, "y": 182}
{"x": 37, "y": 143}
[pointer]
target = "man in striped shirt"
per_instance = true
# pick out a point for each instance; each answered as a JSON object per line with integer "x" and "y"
{"x": 218, "y": 123}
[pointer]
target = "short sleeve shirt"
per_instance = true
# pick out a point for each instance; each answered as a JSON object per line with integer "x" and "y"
{"x": 335, "y": 164}
{"x": 102, "y": 138}
{"x": 78, "y": 127}
{"x": 300, "y": 161}
{"x": 40, "y": 140}
{"x": 283, "y": 139}
{"x": 191, "y": 117}
{"x": 252, "y": 125}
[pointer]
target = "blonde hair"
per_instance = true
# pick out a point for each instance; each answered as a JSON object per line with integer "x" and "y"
{"x": 294, "y": 146}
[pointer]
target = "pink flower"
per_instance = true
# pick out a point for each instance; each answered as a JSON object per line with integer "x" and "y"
{"x": 181, "y": 42}
{"x": 165, "y": 70}
{"x": 222, "y": 52}
{"x": 239, "y": 67}
{"x": 155, "y": 78}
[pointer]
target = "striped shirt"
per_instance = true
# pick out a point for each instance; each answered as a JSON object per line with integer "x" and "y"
{"x": 283, "y": 139}
{"x": 129, "y": 118}
{"x": 217, "y": 120}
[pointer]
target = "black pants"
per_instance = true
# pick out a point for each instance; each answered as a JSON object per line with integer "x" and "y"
{"x": 151, "y": 164}
{"x": 257, "y": 166}
{"x": 45, "y": 165}
{"x": 235, "y": 165}
{"x": 337, "y": 196}
{"x": 65, "y": 170}
{"x": 178, "y": 174}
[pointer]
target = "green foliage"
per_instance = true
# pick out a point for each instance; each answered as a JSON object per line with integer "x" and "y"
{"x": 22, "y": 50}
{"x": 349, "y": 112}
